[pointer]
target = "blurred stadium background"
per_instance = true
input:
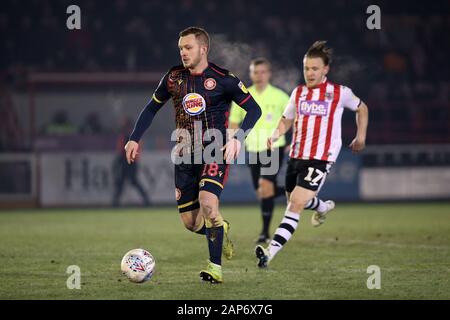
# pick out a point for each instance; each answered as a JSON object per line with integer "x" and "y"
{"x": 67, "y": 96}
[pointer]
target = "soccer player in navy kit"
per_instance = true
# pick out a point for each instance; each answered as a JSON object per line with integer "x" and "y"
{"x": 201, "y": 94}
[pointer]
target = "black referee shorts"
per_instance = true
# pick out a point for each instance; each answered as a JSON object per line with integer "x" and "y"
{"x": 256, "y": 169}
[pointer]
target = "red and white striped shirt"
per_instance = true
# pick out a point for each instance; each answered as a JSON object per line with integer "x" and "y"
{"x": 317, "y": 114}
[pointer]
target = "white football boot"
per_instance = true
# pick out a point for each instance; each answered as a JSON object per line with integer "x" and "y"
{"x": 319, "y": 218}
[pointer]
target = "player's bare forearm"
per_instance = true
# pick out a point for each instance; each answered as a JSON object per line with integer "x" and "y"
{"x": 283, "y": 126}
{"x": 362, "y": 120}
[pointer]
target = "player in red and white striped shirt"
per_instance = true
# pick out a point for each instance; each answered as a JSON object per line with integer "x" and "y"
{"x": 315, "y": 109}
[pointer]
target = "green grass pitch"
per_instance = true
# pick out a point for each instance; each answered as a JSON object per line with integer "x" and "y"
{"x": 409, "y": 242}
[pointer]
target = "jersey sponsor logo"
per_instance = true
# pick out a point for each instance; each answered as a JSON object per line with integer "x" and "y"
{"x": 210, "y": 84}
{"x": 314, "y": 108}
{"x": 194, "y": 104}
{"x": 242, "y": 87}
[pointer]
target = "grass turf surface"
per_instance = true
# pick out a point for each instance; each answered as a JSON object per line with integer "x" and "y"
{"x": 409, "y": 242}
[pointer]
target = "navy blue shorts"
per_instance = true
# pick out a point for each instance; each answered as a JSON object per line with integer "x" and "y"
{"x": 190, "y": 179}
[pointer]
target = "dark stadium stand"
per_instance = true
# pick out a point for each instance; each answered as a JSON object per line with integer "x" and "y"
{"x": 397, "y": 70}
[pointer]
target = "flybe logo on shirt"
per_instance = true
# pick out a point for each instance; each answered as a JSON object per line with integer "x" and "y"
{"x": 194, "y": 104}
{"x": 314, "y": 108}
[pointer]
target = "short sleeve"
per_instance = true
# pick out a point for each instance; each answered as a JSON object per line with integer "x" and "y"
{"x": 289, "y": 111}
{"x": 283, "y": 100}
{"x": 349, "y": 100}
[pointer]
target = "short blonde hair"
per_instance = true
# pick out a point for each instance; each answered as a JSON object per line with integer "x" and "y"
{"x": 200, "y": 34}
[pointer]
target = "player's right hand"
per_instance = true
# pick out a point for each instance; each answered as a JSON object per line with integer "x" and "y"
{"x": 131, "y": 151}
{"x": 357, "y": 145}
{"x": 270, "y": 141}
{"x": 232, "y": 149}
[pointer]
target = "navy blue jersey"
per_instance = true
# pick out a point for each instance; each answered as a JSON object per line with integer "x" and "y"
{"x": 204, "y": 97}
{"x": 200, "y": 100}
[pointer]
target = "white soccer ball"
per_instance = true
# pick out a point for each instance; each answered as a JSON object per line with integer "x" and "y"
{"x": 138, "y": 265}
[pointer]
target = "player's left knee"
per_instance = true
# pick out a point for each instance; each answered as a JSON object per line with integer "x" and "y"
{"x": 296, "y": 204}
{"x": 212, "y": 215}
{"x": 216, "y": 220}
{"x": 206, "y": 205}
{"x": 210, "y": 208}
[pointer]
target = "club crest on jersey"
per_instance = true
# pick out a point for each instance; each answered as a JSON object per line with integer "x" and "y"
{"x": 314, "y": 108}
{"x": 194, "y": 104}
{"x": 210, "y": 84}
